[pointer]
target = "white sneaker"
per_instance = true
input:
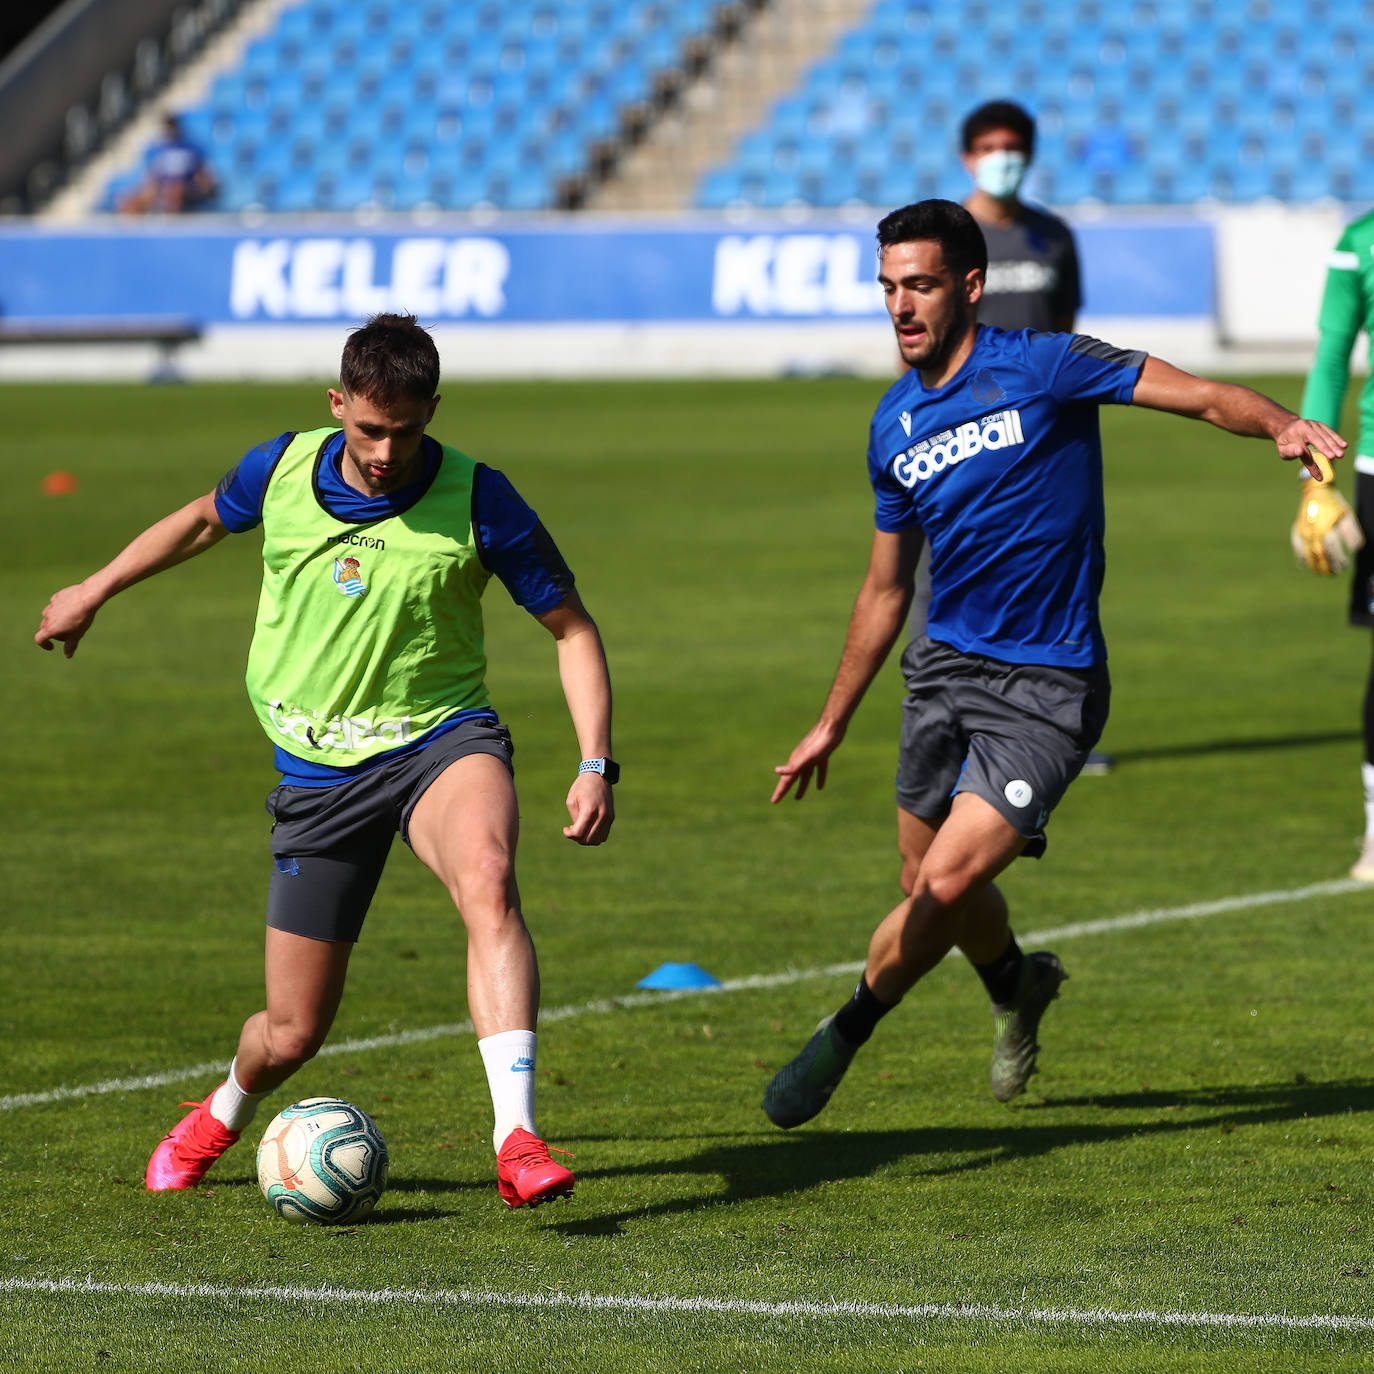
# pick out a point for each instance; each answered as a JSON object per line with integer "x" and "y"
{"x": 1364, "y": 866}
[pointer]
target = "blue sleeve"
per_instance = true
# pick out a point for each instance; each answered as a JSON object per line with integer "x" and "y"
{"x": 893, "y": 507}
{"x": 1081, "y": 368}
{"x": 515, "y": 546}
{"x": 238, "y": 498}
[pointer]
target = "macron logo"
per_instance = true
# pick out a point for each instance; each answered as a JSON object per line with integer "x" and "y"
{"x": 905, "y": 418}
{"x": 523, "y": 1065}
{"x": 924, "y": 459}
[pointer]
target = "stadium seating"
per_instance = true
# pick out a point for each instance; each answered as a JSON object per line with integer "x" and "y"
{"x": 408, "y": 104}
{"x": 1139, "y": 102}
{"x": 401, "y": 105}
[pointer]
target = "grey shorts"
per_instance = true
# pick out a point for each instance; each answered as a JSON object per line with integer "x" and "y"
{"x": 1014, "y": 734}
{"x": 330, "y": 844}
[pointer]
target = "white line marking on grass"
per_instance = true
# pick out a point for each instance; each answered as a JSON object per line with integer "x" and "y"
{"x": 1199, "y": 909}
{"x": 729, "y": 1307}
{"x": 603, "y": 1006}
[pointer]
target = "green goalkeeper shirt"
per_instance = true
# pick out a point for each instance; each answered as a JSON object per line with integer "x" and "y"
{"x": 1347, "y": 308}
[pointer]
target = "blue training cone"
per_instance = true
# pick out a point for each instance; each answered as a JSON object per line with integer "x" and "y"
{"x": 679, "y": 976}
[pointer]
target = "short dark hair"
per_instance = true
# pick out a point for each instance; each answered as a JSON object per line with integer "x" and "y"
{"x": 946, "y": 223}
{"x": 999, "y": 114}
{"x": 389, "y": 358}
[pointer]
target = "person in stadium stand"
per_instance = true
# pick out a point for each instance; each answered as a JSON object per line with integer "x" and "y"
{"x": 1327, "y": 535}
{"x": 176, "y": 176}
{"x": 989, "y": 447}
{"x": 367, "y": 672}
{"x": 1032, "y": 280}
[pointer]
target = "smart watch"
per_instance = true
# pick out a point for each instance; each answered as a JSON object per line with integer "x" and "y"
{"x": 608, "y": 768}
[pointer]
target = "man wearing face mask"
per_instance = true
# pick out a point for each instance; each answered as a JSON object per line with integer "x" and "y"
{"x": 1032, "y": 263}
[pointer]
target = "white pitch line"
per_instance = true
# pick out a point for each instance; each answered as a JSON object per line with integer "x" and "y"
{"x": 727, "y": 1307}
{"x": 1336, "y": 888}
{"x": 603, "y": 1006}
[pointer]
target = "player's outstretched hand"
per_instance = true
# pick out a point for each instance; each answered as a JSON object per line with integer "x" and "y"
{"x": 1326, "y": 535}
{"x": 1298, "y": 438}
{"x": 811, "y": 756}
{"x": 591, "y": 808}
{"x": 66, "y": 617}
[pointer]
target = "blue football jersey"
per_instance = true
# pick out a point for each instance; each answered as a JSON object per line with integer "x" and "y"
{"x": 1002, "y": 469}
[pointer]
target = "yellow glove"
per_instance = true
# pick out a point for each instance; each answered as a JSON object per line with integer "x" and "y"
{"x": 1326, "y": 535}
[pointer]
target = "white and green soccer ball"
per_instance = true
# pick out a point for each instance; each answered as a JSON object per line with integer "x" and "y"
{"x": 322, "y": 1160}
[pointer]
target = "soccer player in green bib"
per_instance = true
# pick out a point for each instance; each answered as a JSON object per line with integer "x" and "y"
{"x": 367, "y": 674}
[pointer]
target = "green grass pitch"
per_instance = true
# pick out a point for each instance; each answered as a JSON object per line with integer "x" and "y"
{"x": 1198, "y": 1141}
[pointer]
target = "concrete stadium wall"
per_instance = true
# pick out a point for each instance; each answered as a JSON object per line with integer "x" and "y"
{"x": 1230, "y": 290}
{"x": 61, "y": 64}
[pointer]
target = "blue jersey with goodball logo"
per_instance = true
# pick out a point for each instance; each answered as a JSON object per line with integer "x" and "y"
{"x": 1002, "y": 469}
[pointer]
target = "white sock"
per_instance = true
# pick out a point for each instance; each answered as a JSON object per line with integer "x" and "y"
{"x": 1367, "y": 777}
{"x": 231, "y": 1106}
{"x": 508, "y": 1058}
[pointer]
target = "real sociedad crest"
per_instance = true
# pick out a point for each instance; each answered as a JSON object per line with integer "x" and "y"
{"x": 348, "y": 577}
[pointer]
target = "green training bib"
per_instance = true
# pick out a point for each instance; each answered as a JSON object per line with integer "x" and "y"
{"x": 368, "y": 634}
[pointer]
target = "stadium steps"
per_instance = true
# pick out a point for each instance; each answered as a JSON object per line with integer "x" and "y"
{"x": 767, "y": 59}
{"x": 82, "y": 196}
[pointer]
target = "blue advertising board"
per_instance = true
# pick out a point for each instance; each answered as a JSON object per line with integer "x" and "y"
{"x": 564, "y": 272}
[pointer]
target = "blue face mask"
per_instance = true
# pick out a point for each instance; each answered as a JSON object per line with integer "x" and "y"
{"x": 1000, "y": 174}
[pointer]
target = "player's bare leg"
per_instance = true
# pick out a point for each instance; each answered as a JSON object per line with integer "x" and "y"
{"x": 1020, "y": 986}
{"x": 948, "y": 871}
{"x": 984, "y": 930}
{"x": 972, "y": 846}
{"x": 464, "y": 829}
{"x": 305, "y": 980}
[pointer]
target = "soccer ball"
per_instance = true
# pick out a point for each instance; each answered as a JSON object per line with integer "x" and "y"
{"x": 322, "y": 1160}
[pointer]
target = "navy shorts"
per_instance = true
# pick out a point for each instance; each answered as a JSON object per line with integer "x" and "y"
{"x": 330, "y": 844}
{"x": 1014, "y": 734}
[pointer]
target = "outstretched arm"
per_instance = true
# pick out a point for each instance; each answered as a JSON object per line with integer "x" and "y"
{"x": 587, "y": 687}
{"x": 1162, "y": 386}
{"x": 175, "y": 538}
{"x": 877, "y": 619}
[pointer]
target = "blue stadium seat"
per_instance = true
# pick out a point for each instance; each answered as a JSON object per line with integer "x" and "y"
{"x": 289, "y": 195}
{"x": 349, "y": 189}
{"x": 1131, "y": 185}
{"x": 527, "y": 188}
{"x": 597, "y": 117}
{"x": 565, "y": 154}
{"x": 719, "y": 188}
{"x": 840, "y": 185}
{"x": 469, "y": 191}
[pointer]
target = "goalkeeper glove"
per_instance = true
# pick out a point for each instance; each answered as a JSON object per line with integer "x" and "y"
{"x": 1326, "y": 535}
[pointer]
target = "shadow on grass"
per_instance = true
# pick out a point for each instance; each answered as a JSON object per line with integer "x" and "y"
{"x": 1252, "y": 745}
{"x": 1302, "y": 1096}
{"x": 778, "y": 1164}
{"x": 388, "y": 1215}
